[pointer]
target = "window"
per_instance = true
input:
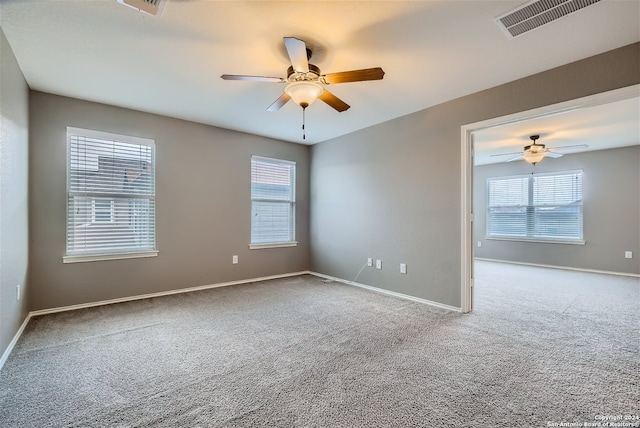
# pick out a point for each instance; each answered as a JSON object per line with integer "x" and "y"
{"x": 110, "y": 196}
{"x": 273, "y": 202}
{"x": 536, "y": 207}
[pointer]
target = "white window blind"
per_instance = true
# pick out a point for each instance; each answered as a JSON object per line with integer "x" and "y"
{"x": 110, "y": 194}
{"x": 536, "y": 207}
{"x": 273, "y": 201}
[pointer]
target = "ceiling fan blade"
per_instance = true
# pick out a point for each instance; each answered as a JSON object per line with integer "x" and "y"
{"x": 506, "y": 154}
{"x": 515, "y": 158}
{"x": 252, "y": 78}
{"x": 277, "y": 104}
{"x": 573, "y": 147}
{"x": 553, "y": 155}
{"x": 354, "y": 76}
{"x": 297, "y": 51}
{"x": 334, "y": 101}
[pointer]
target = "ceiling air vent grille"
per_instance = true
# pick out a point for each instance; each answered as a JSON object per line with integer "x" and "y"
{"x": 152, "y": 7}
{"x": 538, "y": 13}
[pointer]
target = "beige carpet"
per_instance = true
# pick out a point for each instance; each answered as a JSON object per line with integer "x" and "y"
{"x": 542, "y": 347}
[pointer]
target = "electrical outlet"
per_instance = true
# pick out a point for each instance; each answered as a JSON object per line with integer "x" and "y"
{"x": 369, "y": 262}
{"x": 479, "y": 244}
{"x": 628, "y": 254}
{"x": 403, "y": 268}
{"x": 18, "y": 292}
{"x": 378, "y": 264}
{"x": 234, "y": 260}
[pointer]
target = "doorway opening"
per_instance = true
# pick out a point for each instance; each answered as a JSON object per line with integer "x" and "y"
{"x": 468, "y": 133}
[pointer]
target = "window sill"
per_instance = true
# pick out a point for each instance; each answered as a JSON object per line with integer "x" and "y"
{"x": 537, "y": 240}
{"x": 101, "y": 257}
{"x": 274, "y": 245}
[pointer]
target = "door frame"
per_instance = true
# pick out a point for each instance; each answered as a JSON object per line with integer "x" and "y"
{"x": 466, "y": 179}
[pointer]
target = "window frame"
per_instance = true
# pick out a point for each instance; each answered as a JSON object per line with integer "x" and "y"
{"x": 90, "y": 256}
{"x": 530, "y": 210}
{"x": 291, "y": 242}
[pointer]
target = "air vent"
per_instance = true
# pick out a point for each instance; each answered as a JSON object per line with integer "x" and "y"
{"x": 151, "y": 7}
{"x": 538, "y": 13}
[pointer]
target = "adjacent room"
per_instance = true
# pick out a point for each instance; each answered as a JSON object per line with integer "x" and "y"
{"x": 319, "y": 213}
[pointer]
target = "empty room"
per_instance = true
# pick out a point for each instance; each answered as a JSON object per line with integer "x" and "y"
{"x": 319, "y": 213}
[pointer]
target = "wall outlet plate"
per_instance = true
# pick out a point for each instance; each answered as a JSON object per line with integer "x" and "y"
{"x": 403, "y": 268}
{"x": 369, "y": 262}
{"x": 628, "y": 254}
{"x": 378, "y": 264}
{"x": 234, "y": 260}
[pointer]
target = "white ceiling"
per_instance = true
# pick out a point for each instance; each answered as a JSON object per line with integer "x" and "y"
{"x": 615, "y": 124}
{"x": 431, "y": 51}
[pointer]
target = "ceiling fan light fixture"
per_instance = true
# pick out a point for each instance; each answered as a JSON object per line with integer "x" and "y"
{"x": 535, "y": 152}
{"x": 304, "y": 93}
{"x": 534, "y": 157}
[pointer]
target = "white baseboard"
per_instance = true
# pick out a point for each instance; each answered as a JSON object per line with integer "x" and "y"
{"x": 161, "y": 293}
{"x": 387, "y": 292}
{"x": 7, "y": 352}
{"x": 606, "y": 272}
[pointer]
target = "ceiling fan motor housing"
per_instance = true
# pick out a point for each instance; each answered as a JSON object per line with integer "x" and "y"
{"x": 295, "y": 76}
{"x": 534, "y": 148}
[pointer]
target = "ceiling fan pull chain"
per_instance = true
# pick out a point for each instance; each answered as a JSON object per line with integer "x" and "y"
{"x": 304, "y": 136}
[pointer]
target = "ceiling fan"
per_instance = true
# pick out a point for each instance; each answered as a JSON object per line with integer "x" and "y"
{"x": 535, "y": 152}
{"x": 305, "y": 83}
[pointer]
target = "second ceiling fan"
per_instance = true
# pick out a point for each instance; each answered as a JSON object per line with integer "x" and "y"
{"x": 305, "y": 82}
{"x": 535, "y": 152}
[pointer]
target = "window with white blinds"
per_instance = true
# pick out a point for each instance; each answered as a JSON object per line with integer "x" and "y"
{"x": 110, "y": 196}
{"x": 273, "y": 202}
{"x": 536, "y": 207}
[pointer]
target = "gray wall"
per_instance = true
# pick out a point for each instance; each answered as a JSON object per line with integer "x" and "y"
{"x": 392, "y": 191}
{"x": 14, "y": 153}
{"x": 202, "y": 206}
{"x": 611, "y": 191}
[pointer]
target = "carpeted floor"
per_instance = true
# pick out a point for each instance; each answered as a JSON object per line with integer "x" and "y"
{"x": 542, "y": 347}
